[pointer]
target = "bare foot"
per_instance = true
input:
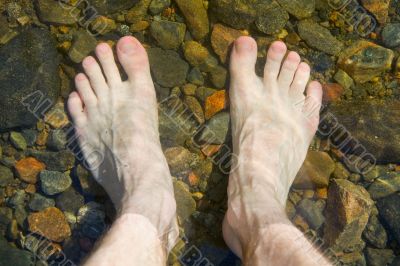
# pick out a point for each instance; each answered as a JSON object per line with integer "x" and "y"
{"x": 273, "y": 124}
{"x": 117, "y": 125}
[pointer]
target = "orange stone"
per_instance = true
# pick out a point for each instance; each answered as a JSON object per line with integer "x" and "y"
{"x": 209, "y": 150}
{"x": 30, "y": 188}
{"x": 322, "y": 193}
{"x": 214, "y": 103}
{"x": 332, "y": 92}
{"x": 28, "y": 169}
{"x": 193, "y": 179}
{"x": 221, "y": 39}
{"x": 50, "y": 223}
{"x": 379, "y": 8}
{"x": 57, "y": 117}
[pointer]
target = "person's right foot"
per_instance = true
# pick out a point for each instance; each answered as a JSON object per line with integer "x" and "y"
{"x": 273, "y": 124}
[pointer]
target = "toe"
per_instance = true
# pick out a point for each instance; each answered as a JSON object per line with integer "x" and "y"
{"x": 75, "y": 108}
{"x": 95, "y": 75}
{"x": 105, "y": 55}
{"x": 275, "y": 55}
{"x": 300, "y": 81}
{"x": 243, "y": 58}
{"x": 133, "y": 58}
{"x": 288, "y": 70}
{"x": 85, "y": 90}
{"x": 313, "y": 101}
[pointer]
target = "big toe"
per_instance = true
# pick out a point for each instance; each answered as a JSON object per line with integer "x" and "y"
{"x": 243, "y": 58}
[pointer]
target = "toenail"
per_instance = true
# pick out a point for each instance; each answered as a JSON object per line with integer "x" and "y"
{"x": 80, "y": 77}
{"x": 243, "y": 46}
{"x": 88, "y": 61}
{"x": 278, "y": 48}
{"x": 128, "y": 47}
{"x": 103, "y": 47}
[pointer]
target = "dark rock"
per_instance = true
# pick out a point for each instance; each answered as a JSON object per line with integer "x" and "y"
{"x": 216, "y": 129}
{"x": 298, "y": 8}
{"x": 39, "y": 202}
{"x": 389, "y": 211}
{"x": 6, "y": 176}
{"x": 55, "y": 12}
{"x": 157, "y": 6}
{"x": 385, "y": 185}
{"x": 273, "y": 20}
{"x": 196, "y": 17}
{"x": 168, "y": 34}
{"x": 372, "y": 131}
{"x": 138, "y": 12}
{"x": 379, "y": 257}
{"x": 10, "y": 255}
{"x": 83, "y": 44}
{"x": 53, "y": 182}
{"x": 33, "y": 56}
{"x": 167, "y": 67}
{"x": 396, "y": 261}
{"x": 69, "y": 201}
{"x": 18, "y": 199}
{"x": 6, "y": 216}
{"x": 57, "y": 140}
{"x": 30, "y": 136}
{"x": 87, "y": 182}
{"x": 185, "y": 203}
{"x": 218, "y": 77}
{"x": 391, "y": 35}
{"x": 319, "y": 37}
{"x": 195, "y": 77}
{"x": 375, "y": 233}
{"x": 111, "y": 6}
{"x": 65, "y": 159}
{"x": 90, "y": 218}
{"x": 312, "y": 211}
{"x": 365, "y": 60}
{"x": 347, "y": 213}
{"x": 20, "y": 215}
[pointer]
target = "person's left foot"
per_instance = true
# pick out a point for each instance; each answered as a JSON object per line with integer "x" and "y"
{"x": 117, "y": 127}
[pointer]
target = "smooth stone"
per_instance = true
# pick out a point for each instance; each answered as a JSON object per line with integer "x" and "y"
{"x": 83, "y": 44}
{"x": 372, "y": 128}
{"x": 18, "y": 199}
{"x": 111, "y": 6}
{"x": 39, "y": 202}
{"x": 157, "y": 6}
{"x": 32, "y": 55}
{"x": 391, "y": 35}
{"x": 167, "y": 67}
{"x": 319, "y": 37}
{"x": 137, "y": 12}
{"x": 195, "y": 107}
{"x": 216, "y": 129}
{"x": 30, "y": 136}
{"x": 364, "y": 60}
{"x": 65, "y": 159}
{"x": 185, "y": 203}
{"x": 53, "y": 12}
{"x": 379, "y": 257}
{"x": 196, "y": 17}
{"x": 198, "y": 56}
{"x": 222, "y": 38}
{"x": 344, "y": 79}
{"x": 347, "y": 213}
{"x": 88, "y": 184}
{"x": 57, "y": 140}
{"x": 168, "y": 34}
{"x": 52, "y": 182}
{"x": 90, "y": 220}
{"x": 70, "y": 201}
{"x": 315, "y": 171}
{"x": 218, "y": 77}
{"x": 312, "y": 211}
{"x": 298, "y": 8}
{"x": 18, "y": 140}
{"x": 272, "y": 21}
{"x": 389, "y": 211}
{"x": 6, "y": 176}
{"x": 10, "y": 255}
{"x": 384, "y": 186}
{"x": 195, "y": 77}
{"x": 375, "y": 233}
{"x": 6, "y": 216}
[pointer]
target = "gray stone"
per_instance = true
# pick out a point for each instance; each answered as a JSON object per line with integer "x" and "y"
{"x": 319, "y": 37}
{"x": 195, "y": 77}
{"x": 312, "y": 211}
{"x": 389, "y": 211}
{"x": 56, "y": 12}
{"x": 272, "y": 21}
{"x": 33, "y": 56}
{"x": 375, "y": 233}
{"x": 185, "y": 203}
{"x": 65, "y": 159}
{"x": 218, "y": 77}
{"x": 18, "y": 199}
{"x": 167, "y": 67}
{"x": 379, "y": 257}
{"x": 10, "y": 255}
{"x": 216, "y": 129}
{"x": 20, "y": 215}
{"x": 57, "y": 140}
{"x": 52, "y": 182}
{"x": 90, "y": 220}
{"x": 6, "y": 176}
{"x": 396, "y": 261}
{"x": 70, "y": 201}
{"x": 30, "y": 136}
{"x": 83, "y": 44}
{"x": 39, "y": 202}
{"x": 384, "y": 186}
{"x": 391, "y": 35}
{"x": 18, "y": 140}
{"x": 371, "y": 128}
{"x": 111, "y": 6}
{"x": 157, "y": 6}
{"x": 168, "y": 34}
{"x": 298, "y": 8}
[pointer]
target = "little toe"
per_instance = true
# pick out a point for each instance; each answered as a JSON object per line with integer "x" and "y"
{"x": 85, "y": 90}
{"x": 300, "y": 81}
{"x": 243, "y": 58}
{"x": 275, "y": 55}
{"x": 134, "y": 59}
{"x": 105, "y": 55}
{"x": 288, "y": 70}
{"x": 95, "y": 75}
{"x": 75, "y": 108}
